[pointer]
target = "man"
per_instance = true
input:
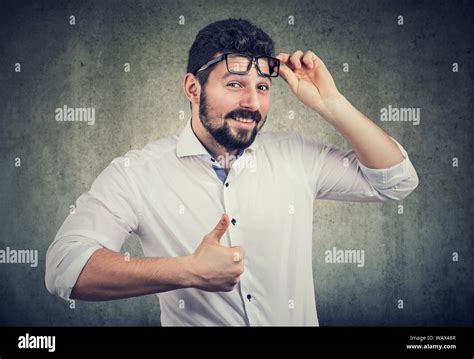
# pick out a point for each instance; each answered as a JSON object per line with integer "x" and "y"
{"x": 224, "y": 211}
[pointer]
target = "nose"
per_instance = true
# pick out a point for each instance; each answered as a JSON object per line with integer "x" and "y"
{"x": 250, "y": 99}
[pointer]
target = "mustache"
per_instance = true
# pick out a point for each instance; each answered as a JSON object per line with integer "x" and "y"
{"x": 245, "y": 114}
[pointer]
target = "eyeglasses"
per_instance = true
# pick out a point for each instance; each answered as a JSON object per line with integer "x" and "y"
{"x": 241, "y": 64}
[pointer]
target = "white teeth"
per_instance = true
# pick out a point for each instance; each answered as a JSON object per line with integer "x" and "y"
{"x": 244, "y": 120}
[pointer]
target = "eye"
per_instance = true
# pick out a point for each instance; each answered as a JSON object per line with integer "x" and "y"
{"x": 233, "y": 83}
{"x": 262, "y": 87}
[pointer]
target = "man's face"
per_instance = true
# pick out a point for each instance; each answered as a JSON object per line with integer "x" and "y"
{"x": 228, "y": 97}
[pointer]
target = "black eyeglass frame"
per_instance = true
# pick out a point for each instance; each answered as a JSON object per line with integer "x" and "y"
{"x": 254, "y": 60}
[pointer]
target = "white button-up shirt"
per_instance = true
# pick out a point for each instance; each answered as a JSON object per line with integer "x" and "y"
{"x": 170, "y": 196}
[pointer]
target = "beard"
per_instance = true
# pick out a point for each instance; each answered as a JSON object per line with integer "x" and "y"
{"x": 224, "y": 135}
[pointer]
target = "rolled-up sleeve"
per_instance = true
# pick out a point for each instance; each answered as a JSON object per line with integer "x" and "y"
{"x": 103, "y": 218}
{"x": 337, "y": 174}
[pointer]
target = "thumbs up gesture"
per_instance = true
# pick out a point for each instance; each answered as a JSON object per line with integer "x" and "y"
{"x": 217, "y": 268}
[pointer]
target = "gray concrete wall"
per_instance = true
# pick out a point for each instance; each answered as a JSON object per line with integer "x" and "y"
{"x": 408, "y": 256}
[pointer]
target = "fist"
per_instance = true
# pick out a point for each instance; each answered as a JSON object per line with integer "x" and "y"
{"x": 217, "y": 268}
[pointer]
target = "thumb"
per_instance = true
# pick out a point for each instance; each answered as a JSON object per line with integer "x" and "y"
{"x": 220, "y": 228}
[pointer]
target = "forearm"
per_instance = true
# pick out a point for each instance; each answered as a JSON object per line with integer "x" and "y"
{"x": 109, "y": 275}
{"x": 372, "y": 146}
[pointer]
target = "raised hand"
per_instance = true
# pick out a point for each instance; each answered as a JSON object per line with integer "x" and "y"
{"x": 308, "y": 78}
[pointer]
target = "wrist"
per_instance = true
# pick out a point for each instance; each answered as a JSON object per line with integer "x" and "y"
{"x": 189, "y": 278}
{"x": 330, "y": 108}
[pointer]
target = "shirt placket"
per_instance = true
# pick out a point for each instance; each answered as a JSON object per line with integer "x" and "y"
{"x": 231, "y": 205}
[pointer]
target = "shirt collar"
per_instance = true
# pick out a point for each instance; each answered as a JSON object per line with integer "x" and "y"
{"x": 189, "y": 144}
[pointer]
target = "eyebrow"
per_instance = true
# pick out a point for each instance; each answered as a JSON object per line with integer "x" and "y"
{"x": 228, "y": 74}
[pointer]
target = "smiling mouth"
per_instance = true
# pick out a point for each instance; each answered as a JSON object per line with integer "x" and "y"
{"x": 243, "y": 120}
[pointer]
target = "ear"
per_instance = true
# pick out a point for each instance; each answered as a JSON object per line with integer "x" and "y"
{"x": 192, "y": 88}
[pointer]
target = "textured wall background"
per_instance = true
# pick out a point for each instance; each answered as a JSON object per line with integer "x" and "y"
{"x": 408, "y": 256}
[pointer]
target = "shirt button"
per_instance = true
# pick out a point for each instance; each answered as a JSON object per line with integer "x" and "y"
{"x": 249, "y": 297}
{"x": 227, "y": 184}
{"x": 233, "y": 221}
{"x": 213, "y": 160}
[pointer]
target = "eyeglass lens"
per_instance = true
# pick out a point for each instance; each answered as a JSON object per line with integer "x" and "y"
{"x": 242, "y": 64}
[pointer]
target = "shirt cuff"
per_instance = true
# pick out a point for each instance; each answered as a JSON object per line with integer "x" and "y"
{"x": 69, "y": 275}
{"x": 388, "y": 177}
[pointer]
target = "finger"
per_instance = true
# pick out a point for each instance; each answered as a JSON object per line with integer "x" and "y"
{"x": 238, "y": 253}
{"x": 289, "y": 76}
{"x": 295, "y": 59}
{"x": 286, "y": 71}
{"x": 316, "y": 57}
{"x": 309, "y": 58}
{"x": 283, "y": 57}
{"x": 237, "y": 257}
{"x": 219, "y": 230}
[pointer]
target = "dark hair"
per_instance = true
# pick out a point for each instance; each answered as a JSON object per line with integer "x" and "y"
{"x": 231, "y": 35}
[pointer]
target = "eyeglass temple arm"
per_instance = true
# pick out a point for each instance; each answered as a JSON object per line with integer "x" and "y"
{"x": 212, "y": 62}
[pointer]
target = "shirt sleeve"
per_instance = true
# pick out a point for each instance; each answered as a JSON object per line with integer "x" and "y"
{"x": 337, "y": 174}
{"x": 103, "y": 218}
